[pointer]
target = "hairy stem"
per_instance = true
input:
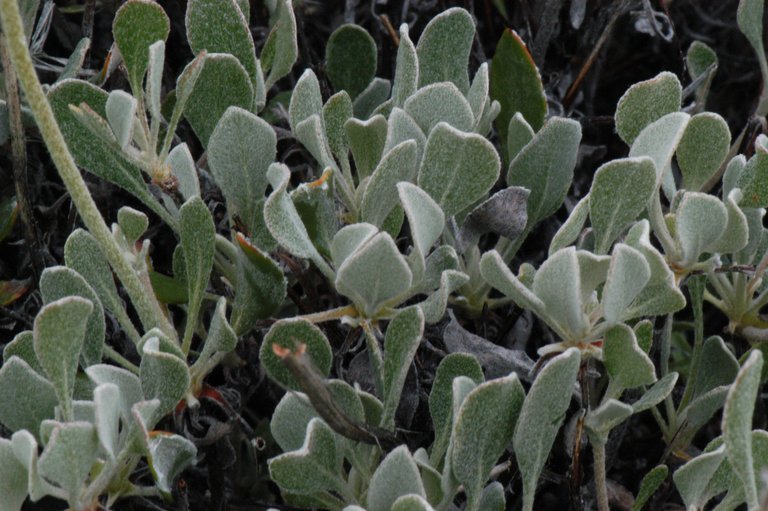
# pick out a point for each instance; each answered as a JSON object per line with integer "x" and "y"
{"x": 146, "y": 304}
{"x": 601, "y": 488}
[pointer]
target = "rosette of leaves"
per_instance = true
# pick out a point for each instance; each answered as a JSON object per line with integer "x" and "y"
{"x": 580, "y": 295}
{"x": 79, "y": 435}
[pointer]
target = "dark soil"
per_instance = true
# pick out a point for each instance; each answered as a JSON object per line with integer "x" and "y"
{"x": 233, "y": 436}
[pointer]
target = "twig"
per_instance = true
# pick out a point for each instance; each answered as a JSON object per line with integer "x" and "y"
{"x": 390, "y": 29}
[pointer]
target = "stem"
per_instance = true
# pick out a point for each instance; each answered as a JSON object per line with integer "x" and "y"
{"x": 146, "y": 304}
{"x": 598, "y": 452}
{"x": 697, "y": 299}
{"x": 656, "y": 217}
{"x": 330, "y": 315}
{"x": 121, "y": 360}
{"x": 666, "y": 348}
{"x": 377, "y": 359}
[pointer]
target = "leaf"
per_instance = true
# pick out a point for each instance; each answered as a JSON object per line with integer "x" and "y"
{"x": 350, "y": 59}
{"x": 132, "y": 222}
{"x": 401, "y": 127}
{"x": 659, "y": 140}
{"x": 627, "y": 364}
{"x": 381, "y": 195}
{"x": 496, "y": 273}
{"x": 138, "y": 24}
{"x": 621, "y": 189}
{"x": 737, "y": 424}
{"x": 155, "y": 78}
{"x": 656, "y": 394}
{"x": 648, "y": 486}
{"x": 348, "y": 239}
{"x": 218, "y": 26}
{"x": 59, "y": 282}
{"x": 396, "y": 475}
{"x": 12, "y": 290}
{"x": 699, "y": 59}
{"x": 444, "y": 47}
{"x": 26, "y": 398}
{"x": 702, "y": 149}
{"x": 516, "y": 85}
{"x": 69, "y": 456}
{"x": 184, "y": 170}
{"x": 13, "y": 478}
{"x": 290, "y": 419}
{"x": 406, "y": 69}
{"x": 83, "y": 254}
{"x": 628, "y": 274}
{"x": 717, "y": 366}
{"x": 692, "y": 478}
{"x": 223, "y": 82}
{"x": 128, "y": 383}
{"x": 479, "y": 438}
{"x": 411, "y": 502}
{"x": 281, "y": 49}
{"x": 749, "y": 17}
{"x": 505, "y": 213}
{"x": 22, "y": 346}
{"x": 121, "y": 113}
{"x": 240, "y": 151}
{"x": 400, "y": 344}
{"x": 366, "y": 141}
{"x": 541, "y": 415}
{"x": 440, "y": 102}
{"x": 336, "y": 112}
{"x": 169, "y": 456}
{"x": 106, "y": 405}
{"x": 198, "y": 237}
{"x": 260, "y": 287}
{"x": 441, "y": 397}
{"x": 545, "y": 167}
{"x": 290, "y": 334}
{"x": 557, "y": 286}
{"x": 427, "y": 222}
{"x": 753, "y": 179}
{"x": 89, "y": 152}
{"x": 164, "y": 376}
{"x": 458, "y": 168}
{"x": 646, "y": 102}
{"x": 374, "y": 275}
{"x": 600, "y": 421}
{"x": 284, "y": 222}
{"x": 700, "y": 221}
{"x": 312, "y": 468}
{"x": 372, "y": 99}
{"x": 436, "y": 303}
{"x": 477, "y": 96}
{"x": 59, "y": 332}
{"x": 221, "y": 337}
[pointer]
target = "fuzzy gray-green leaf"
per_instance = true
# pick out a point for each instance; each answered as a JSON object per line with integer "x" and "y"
{"x": 692, "y": 478}
{"x": 106, "y": 407}
{"x": 121, "y": 113}
{"x": 556, "y": 284}
{"x": 169, "y": 456}
{"x": 218, "y": 26}
{"x": 627, "y": 364}
{"x": 702, "y": 149}
{"x": 350, "y": 59}
{"x": 659, "y": 140}
{"x": 656, "y": 394}
{"x": 281, "y": 49}
{"x": 59, "y": 332}
{"x": 648, "y": 486}
{"x": 26, "y": 398}
{"x": 223, "y": 82}
{"x": 198, "y": 236}
{"x": 737, "y": 423}
{"x": 440, "y": 102}
{"x": 620, "y": 191}
{"x": 480, "y": 437}
{"x": 717, "y": 366}
{"x": 59, "y": 282}
{"x": 753, "y": 178}
{"x": 311, "y": 468}
{"x": 441, "y": 397}
{"x": 397, "y": 475}
{"x": 68, "y": 456}
{"x": 444, "y": 47}
{"x": 406, "y": 69}
{"x": 240, "y": 151}
{"x": 128, "y": 383}
{"x": 132, "y": 222}
{"x": 290, "y": 334}
{"x": 381, "y": 195}
{"x": 628, "y": 274}
{"x": 749, "y": 17}
{"x": 13, "y": 478}
{"x": 400, "y": 343}
{"x": 366, "y": 141}
{"x": 164, "y": 376}
{"x": 458, "y": 168}
{"x": 138, "y": 24}
{"x": 373, "y": 275}
{"x": 402, "y": 127}
{"x": 336, "y": 112}
{"x": 645, "y": 102}
{"x": 545, "y": 167}
{"x": 700, "y": 221}
{"x": 541, "y": 415}
{"x": 373, "y": 100}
